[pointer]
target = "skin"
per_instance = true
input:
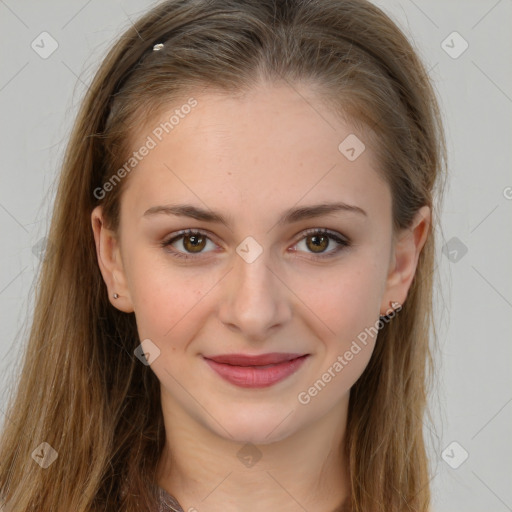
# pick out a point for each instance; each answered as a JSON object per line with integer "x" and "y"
{"x": 250, "y": 158}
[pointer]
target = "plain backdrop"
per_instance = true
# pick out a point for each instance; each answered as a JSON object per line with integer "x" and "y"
{"x": 467, "y": 47}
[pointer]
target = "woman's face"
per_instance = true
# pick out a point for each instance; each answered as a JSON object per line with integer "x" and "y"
{"x": 261, "y": 281}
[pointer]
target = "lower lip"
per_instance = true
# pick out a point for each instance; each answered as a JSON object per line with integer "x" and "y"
{"x": 254, "y": 376}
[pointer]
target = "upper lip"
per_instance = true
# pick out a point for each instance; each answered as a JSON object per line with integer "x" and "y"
{"x": 254, "y": 360}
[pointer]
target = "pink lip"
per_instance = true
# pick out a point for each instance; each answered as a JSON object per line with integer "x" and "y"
{"x": 256, "y": 371}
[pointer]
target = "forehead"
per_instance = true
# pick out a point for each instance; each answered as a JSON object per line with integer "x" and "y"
{"x": 272, "y": 146}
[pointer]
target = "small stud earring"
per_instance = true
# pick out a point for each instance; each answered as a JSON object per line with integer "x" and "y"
{"x": 116, "y": 296}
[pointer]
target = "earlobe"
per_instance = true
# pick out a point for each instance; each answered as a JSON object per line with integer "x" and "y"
{"x": 407, "y": 248}
{"x": 110, "y": 263}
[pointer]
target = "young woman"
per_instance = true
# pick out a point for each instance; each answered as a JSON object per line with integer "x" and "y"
{"x": 236, "y": 309}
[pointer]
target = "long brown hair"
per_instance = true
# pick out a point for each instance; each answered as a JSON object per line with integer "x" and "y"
{"x": 81, "y": 389}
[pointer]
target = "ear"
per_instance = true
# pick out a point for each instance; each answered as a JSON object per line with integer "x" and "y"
{"x": 110, "y": 263}
{"x": 407, "y": 247}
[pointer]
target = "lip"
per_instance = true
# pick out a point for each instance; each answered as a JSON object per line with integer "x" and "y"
{"x": 256, "y": 371}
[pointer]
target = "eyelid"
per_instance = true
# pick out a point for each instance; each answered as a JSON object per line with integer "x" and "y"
{"x": 326, "y": 231}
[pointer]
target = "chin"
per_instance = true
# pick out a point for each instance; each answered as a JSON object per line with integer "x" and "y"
{"x": 258, "y": 427}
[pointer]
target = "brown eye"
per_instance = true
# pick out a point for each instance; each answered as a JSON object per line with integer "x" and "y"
{"x": 188, "y": 244}
{"x": 318, "y": 243}
{"x": 322, "y": 243}
{"x": 194, "y": 243}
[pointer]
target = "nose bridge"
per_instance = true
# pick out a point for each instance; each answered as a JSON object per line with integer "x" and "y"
{"x": 257, "y": 298}
{"x": 252, "y": 269}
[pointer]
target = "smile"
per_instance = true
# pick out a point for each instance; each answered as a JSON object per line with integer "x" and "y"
{"x": 256, "y": 371}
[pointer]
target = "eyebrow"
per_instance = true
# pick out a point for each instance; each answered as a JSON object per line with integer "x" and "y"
{"x": 289, "y": 216}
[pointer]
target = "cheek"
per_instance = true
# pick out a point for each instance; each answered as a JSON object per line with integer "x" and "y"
{"x": 349, "y": 306}
{"x": 348, "y": 300}
{"x": 164, "y": 297}
{"x": 352, "y": 315}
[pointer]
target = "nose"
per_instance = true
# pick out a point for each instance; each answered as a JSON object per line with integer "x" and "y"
{"x": 255, "y": 300}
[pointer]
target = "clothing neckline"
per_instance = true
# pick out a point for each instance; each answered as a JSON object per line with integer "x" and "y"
{"x": 169, "y": 503}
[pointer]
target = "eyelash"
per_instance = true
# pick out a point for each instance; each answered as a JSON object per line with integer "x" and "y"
{"x": 332, "y": 235}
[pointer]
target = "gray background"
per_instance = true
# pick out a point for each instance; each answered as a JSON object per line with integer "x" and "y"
{"x": 472, "y": 404}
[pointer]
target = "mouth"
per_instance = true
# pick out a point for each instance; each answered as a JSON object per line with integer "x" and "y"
{"x": 256, "y": 371}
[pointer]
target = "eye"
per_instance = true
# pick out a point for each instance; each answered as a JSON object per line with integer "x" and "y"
{"x": 318, "y": 240}
{"x": 192, "y": 241}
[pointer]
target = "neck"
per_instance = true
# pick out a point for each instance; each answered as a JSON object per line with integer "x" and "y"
{"x": 304, "y": 471}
